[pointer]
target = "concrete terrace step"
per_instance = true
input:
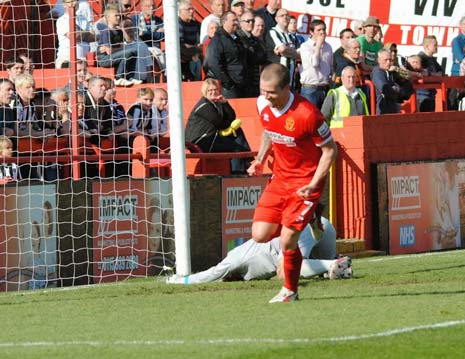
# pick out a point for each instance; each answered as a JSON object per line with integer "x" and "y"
{"x": 355, "y": 248}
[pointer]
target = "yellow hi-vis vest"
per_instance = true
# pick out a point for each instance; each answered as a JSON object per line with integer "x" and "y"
{"x": 342, "y": 106}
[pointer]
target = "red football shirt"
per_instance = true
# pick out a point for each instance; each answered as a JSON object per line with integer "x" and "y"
{"x": 297, "y": 131}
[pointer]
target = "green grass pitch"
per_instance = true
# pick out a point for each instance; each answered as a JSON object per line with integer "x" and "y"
{"x": 394, "y": 307}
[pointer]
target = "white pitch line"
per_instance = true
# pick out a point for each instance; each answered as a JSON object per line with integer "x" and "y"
{"x": 223, "y": 341}
{"x": 416, "y": 255}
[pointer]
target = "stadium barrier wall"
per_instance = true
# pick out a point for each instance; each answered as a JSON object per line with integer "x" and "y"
{"x": 102, "y": 230}
{"x": 366, "y": 141}
{"x": 421, "y": 206}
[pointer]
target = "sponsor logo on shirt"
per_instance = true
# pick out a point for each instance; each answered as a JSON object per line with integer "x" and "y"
{"x": 281, "y": 139}
{"x": 290, "y": 124}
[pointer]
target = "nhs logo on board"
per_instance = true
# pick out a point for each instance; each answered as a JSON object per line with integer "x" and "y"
{"x": 407, "y": 235}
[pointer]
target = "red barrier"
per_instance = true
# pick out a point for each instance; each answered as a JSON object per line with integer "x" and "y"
{"x": 365, "y": 141}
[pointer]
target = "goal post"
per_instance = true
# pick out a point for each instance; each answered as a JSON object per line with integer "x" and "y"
{"x": 178, "y": 162}
{"x": 78, "y": 214}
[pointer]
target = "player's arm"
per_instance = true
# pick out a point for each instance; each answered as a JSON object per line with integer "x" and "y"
{"x": 256, "y": 168}
{"x": 328, "y": 156}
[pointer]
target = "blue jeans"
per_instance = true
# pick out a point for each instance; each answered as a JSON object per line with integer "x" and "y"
{"x": 315, "y": 95}
{"x": 130, "y": 62}
{"x": 123, "y": 60}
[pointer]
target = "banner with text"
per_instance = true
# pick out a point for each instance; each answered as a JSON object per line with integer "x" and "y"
{"x": 239, "y": 199}
{"x": 133, "y": 228}
{"x": 405, "y": 23}
{"x": 426, "y": 206}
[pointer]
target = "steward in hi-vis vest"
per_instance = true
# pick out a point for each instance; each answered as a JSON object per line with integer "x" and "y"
{"x": 346, "y": 105}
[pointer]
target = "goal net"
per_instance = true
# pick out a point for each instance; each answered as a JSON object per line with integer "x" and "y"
{"x": 85, "y": 187}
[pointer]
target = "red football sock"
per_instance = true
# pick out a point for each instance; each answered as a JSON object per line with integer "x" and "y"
{"x": 292, "y": 264}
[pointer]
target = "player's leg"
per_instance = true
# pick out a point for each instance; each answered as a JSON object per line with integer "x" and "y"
{"x": 325, "y": 248}
{"x": 292, "y": 257}
{"x": 296, "y": 215}
{"x": 260, "y": 266}
{"x": 263, "y": 232}
{"x": 313, "y": 267}
{"x": 268, "y": 213}
{"x": 232, "y": 263}
{"x": 292, "y": 261}
{"x": 323, "y": 256}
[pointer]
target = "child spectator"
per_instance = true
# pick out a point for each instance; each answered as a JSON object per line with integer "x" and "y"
{"x": 141, "y": 119}
{"x": 8, "y": 171}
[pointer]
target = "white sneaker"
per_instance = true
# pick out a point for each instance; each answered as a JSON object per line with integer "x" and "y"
{"x": 285, "y": 295}
{"x": 177, "y": 279}
{"x": 136, "y": 82}
{"x": 341, "y": 268}
{"x": 122, "y": 82}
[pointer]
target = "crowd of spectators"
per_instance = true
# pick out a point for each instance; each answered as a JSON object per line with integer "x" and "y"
{"x": 231, "y": 46}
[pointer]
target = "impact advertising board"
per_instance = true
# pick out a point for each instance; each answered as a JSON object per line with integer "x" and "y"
{"x": 28, "y": 245}
{"x": 426, "y": 206}
{"x": 133, "y": 229}
{"x": 405, "y": 23}
{"x": 240, "y": 197}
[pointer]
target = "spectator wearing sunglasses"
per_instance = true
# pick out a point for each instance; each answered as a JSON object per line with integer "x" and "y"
{"x": 357, "y": 27}
{"x": 256, "y": 54}
{"x": 126, "y": 9}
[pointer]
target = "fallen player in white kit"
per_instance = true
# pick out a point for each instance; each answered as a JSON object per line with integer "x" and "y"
{"x": 253, "y": 261}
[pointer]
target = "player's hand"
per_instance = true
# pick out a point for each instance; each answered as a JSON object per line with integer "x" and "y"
{"x": 319, "y": 40}
{"x": 255, "y": 169}
{"x": 305, "y": 191}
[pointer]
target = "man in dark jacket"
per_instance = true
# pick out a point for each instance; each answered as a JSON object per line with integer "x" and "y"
{"x": 189, "y": 38}
{"x": 226, "y": 58}
{"x": 391, "y": 91}
{"x": 97, "y": 121}
{"x": 7, "y": 115}
{"x": 256, "y": 54}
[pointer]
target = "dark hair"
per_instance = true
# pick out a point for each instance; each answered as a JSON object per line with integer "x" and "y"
{"x": 13, "y": 61}
{"x": 347, "y": 29}
{"x": 315, "y": 23}
{"x": 81, "y": 62}
{"x": 225, "y": 15}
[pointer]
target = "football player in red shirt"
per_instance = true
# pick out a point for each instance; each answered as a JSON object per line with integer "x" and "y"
{"x": 303, "y": 149}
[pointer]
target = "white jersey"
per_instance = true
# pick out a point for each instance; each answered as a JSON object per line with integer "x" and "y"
{"x": 253, "y": 260}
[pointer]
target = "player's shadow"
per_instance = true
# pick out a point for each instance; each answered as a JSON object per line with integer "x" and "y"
{"x": 427, "y": 270}
{"x": 392, "y": 295}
